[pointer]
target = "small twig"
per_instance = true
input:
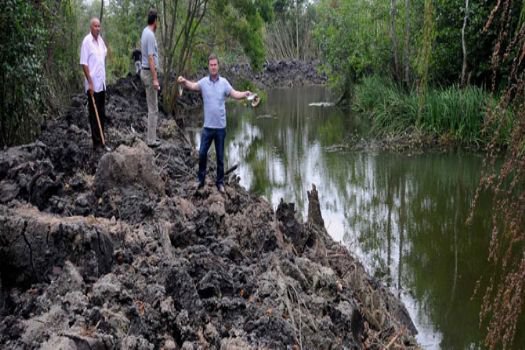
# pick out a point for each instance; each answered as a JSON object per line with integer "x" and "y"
{"x": 233, "y": 168}
{"x": 393, "y": 340}
{"x": 336, "y": 256}
{"x": 166, "y": 163}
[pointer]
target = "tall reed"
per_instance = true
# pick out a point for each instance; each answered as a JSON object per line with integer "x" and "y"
{"x": 453, "y": 112}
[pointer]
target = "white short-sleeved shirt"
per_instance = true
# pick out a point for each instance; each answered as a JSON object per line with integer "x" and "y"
{"x": 93, "y": 54}
{"x": 214, "y": 93}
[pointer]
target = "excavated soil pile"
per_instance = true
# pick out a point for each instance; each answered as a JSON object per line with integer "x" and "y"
{"x": 279, "y": 74}
{"x": 119, "y": 251}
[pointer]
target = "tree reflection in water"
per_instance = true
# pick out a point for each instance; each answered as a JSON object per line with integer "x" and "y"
{"x": 404, "y": 216}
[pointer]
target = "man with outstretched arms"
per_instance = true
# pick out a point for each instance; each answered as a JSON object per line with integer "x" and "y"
{"x": 214, "y": 90}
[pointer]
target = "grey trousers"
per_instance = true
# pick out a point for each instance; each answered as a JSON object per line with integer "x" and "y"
{"x": 153, "y": 106}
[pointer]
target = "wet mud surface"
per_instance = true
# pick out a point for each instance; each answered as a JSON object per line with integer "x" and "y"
{"x": 120, "y": 250}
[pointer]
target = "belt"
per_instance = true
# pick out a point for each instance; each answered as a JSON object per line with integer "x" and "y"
{"x": 145, "y": 68}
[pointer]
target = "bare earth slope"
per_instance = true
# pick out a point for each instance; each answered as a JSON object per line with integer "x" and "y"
{"x": 119, "y": 251}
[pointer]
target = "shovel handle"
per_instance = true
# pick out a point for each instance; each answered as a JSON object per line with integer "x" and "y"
{"x": 98, "y": 120}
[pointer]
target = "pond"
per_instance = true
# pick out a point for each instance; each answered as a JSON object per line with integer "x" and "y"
{"x": 404, "y": 216}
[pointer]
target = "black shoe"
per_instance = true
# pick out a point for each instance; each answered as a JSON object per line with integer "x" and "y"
{"x": 200, "y": 185}
{"x": 154, "y": 144}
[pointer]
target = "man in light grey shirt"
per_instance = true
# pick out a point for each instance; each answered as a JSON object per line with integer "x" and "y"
{"x": 149, "y": 77}
{"x": 214, "y": 90}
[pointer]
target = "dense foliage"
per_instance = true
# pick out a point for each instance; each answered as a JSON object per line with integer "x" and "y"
{"x": 419, "y": 50}
{"x": 445, "y": 67}
{"x": 243, "y": 21}
{"x": 353, "y": 39}
{"x": 390, "y": 38}
{"x": 122, "y": 26}
{"x": 21, "y": 71}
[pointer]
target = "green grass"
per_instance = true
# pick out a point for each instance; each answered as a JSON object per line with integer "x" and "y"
{"x": 452, "y": 112}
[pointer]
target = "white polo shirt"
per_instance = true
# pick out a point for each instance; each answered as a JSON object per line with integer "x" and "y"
{"x": 93, "y": 54}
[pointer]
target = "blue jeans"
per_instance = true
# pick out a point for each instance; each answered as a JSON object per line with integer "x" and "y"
{"x": 207, "y": 136}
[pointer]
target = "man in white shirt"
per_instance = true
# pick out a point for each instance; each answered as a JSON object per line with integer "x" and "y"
{"x": 149, "y": 77}
{"x": 92, "y": 58}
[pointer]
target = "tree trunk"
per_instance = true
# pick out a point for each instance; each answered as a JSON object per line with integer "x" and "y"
{"x": 407, "y": 44}
{"x": 464, "y": 47}
{"x": 101, "y": 10}
{"x": 393, "y": 37}
{"x": 297, "y": 28}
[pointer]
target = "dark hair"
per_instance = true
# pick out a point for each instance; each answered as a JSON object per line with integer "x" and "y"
{"x": 152, "y": 16}
{"x": 213, "y": 57}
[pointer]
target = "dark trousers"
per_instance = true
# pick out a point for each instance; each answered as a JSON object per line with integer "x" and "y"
{"x": 207, "y": 136}
{"x": 100, "y": 101}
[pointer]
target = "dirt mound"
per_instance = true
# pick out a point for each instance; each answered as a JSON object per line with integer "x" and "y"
{"x": 277, "y": 74}
{"x": 118, "y": 250}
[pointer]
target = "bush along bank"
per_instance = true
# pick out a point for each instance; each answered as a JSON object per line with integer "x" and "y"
{"x": 119, "y": 251}
{"x": 443, "y": 117}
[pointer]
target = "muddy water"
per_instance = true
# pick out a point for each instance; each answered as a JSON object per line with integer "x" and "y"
{"x": 403, "y": 215}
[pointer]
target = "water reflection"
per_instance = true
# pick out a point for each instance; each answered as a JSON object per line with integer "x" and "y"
{"x": 403, "y": 216}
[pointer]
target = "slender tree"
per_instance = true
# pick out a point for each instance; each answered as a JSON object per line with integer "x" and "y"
{"x": 464, "y": 45}
{"x": 424, "y": 56}
{"x": 297, "y": 28}
{"x": 406, "y": 57}
{"x": 393, "y": 38}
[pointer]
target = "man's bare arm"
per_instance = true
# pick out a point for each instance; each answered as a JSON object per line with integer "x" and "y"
{"x": 85, "y": 68}
{"x": 151, "y": 62}
{"x": 239, "y": 95}
{"x": 190, "y": 85}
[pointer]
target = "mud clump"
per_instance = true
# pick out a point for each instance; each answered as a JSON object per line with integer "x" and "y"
{"x": 128, "y": 166}
{"x": 119, "y": 251}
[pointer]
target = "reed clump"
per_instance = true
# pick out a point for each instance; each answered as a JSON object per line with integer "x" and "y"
{"x": 452, "y": 112}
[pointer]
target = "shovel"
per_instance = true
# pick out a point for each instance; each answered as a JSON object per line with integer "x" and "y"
{"x": 108, "y": 149}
